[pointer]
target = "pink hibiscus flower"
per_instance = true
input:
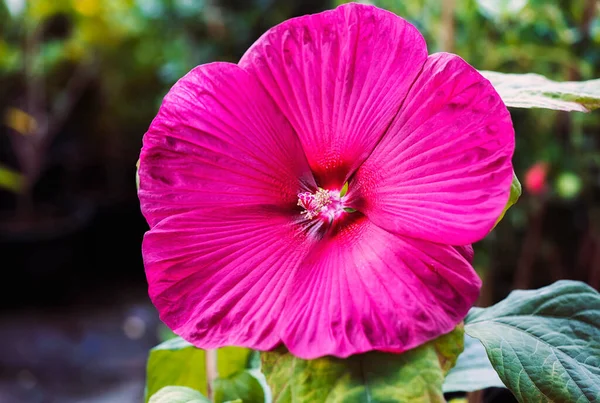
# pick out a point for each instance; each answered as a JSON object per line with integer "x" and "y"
{"x": 314, "y": 193}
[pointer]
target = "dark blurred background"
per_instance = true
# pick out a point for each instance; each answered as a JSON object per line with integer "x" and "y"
{"x": 80, "y": 81}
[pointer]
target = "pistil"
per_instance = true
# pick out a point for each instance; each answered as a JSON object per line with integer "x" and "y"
{"x": 325, "y": 204}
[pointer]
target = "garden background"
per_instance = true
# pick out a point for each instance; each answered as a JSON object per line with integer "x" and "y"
{"x": 81, "y": 80}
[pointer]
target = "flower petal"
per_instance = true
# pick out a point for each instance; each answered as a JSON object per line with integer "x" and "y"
{"x": 339, "y": 77}
{"x": 466, "y": 251}
{"x": 443, "y": 171}
{"x": 368, "y": 289}
{"x": 221, "y": 279}
{"x": 218, "y": 140}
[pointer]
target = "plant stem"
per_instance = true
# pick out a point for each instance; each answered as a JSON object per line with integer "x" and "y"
{"x": 212, "y": 371}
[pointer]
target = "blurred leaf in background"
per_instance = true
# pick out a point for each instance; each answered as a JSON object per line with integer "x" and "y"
{"x": 10, "y": 179}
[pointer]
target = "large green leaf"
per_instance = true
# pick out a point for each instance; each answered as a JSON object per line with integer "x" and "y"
{"x": 241, "y": 385}
{"x": 544, "y": 344}
{"x": 414, "y": 376}
{"x": 473, "y": 370}
{"x": 178, "y": 363}
{"x": 178, "y": 394}
{"x": 536, "y": 91}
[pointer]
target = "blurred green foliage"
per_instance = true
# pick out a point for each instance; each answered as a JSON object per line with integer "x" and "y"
{"x": 139, "y": 47}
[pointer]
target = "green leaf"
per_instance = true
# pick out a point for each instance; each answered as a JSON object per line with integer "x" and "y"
{"x": 473, "y": 370}
{"x": 414, "y": 376}
{"x": 544, "y": 344}
{"x": 178, "y": 394}
{"x": 536, "y": 91}
{"x": 178, "y": 363}
{"x": 241, "y": 385}
{"x": 344, "y": 190}
{"x": 515, "y": 193}
{"x": 233, "y": 359}
{"x": 175, "y": 362}
{"x": 254, "y": 360}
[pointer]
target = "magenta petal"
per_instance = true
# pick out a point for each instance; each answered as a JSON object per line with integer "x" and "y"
{"x": 367, "y": 289}
{"x": 218, "y": 140}
{"x": 222, "y": 278}
{"x": 339, "y": 77}
{"x": 443, "y": 171}
{"x": 466, "y": 251}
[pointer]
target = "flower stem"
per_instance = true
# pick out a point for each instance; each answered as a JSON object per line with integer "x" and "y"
{"x": 211, "y": 372}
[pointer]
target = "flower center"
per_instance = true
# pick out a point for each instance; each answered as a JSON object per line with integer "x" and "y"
{"x": 325, "y": 204}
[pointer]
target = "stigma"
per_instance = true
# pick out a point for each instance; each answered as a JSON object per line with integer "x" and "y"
{"x": 324, "y": 204}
